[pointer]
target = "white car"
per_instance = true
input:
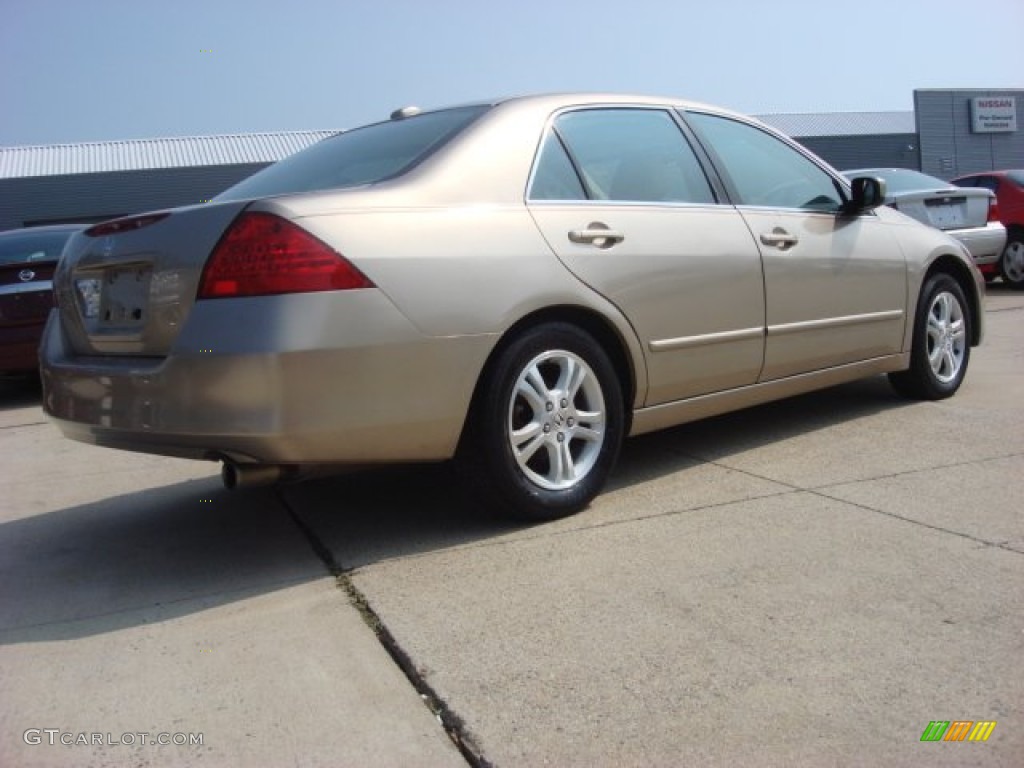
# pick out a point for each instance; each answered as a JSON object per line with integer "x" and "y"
{"x": 969, "y": 215}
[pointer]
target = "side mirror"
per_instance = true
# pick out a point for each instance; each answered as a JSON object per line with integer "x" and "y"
{"x": 867, "y": 193}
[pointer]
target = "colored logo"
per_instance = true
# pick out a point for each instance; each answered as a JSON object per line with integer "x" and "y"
{"x": 958, "y": 730}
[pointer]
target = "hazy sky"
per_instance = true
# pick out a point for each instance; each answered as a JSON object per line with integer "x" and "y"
{"x": 87, "y": 70}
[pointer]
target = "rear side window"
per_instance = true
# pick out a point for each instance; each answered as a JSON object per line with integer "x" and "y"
{"x": 622, "y": 155}
{"x": 555, "y": 177}
{"x": 989, "y": 182}
{"x": 31, "y": 246}
{"x": 361, "y": 156}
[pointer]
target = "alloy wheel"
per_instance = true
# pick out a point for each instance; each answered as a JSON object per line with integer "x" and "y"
{"x": 556, "y": 420}
{"x": 947, "y": 336}
{"x": 1013, "y": 262}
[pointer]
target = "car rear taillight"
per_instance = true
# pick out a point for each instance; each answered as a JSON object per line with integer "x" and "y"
{"x": 993, "y": 210}
{"x": 262, "y": 254}
{"x": 117, "y": 226}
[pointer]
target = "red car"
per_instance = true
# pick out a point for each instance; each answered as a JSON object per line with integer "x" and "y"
{"x": 28, "y": 258}
{"x": 1009, "y": 189}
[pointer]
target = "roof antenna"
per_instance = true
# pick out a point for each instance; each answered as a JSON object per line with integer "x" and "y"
{"x": 404, "y": 112}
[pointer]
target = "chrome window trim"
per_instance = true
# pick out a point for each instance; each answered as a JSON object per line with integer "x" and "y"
{"x": 670, "y": 110}
{"x": 766, "y": 129}
{"x": 630, "y": 204}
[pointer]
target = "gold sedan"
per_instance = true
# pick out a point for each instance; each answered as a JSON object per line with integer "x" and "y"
{"x": 517, "y": 285}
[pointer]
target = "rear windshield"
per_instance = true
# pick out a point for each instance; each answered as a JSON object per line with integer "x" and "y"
{"x": 29, "y": 246}
{"x": 899, "y": 180}
{"x": 361, "y": 156}
{"x": 1017, "y": 177}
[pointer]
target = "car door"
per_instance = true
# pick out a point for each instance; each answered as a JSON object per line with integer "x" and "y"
{"x": 623, "y": 202}
{"x": 835, "y": 282}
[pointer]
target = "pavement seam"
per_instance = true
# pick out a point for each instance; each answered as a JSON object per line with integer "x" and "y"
{"x": 818, "y": 491}
{"x": 453, "y": 725}
{"x": 951, "y": 465}
{"x": 812, "y": 488}
{"x": 994, "y": 544}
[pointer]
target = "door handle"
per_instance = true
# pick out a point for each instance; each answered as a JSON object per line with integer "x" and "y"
{"x": 779, "y": 238}
{"x": 596, "y": 234}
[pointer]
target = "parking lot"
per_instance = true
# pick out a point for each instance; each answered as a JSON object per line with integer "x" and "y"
{"x": 807, "y": 583}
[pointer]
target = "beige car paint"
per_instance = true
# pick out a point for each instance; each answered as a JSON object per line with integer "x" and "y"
{"x": 835, "y": 297}
{"x": 668, "y": 276}
{"x": 695, "y": 342}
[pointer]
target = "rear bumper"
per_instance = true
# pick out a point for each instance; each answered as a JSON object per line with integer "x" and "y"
{"x": 985, "y": 243}
{"x": 306, "y": 379}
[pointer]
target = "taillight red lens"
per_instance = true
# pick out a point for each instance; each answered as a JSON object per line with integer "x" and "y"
{"x": 993, "y": 210}
{"x": 262, "y": 254}
{"x": 117, "y": 226}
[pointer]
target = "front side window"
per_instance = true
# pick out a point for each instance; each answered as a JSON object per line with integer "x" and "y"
{"x": 763, "y": 170}
{"x": 621, "y": 155}
{"x": 361, "y": 156}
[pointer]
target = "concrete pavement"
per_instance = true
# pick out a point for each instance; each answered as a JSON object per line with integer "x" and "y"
{"x": 808, "y": 583}
{"x": 138, "y": 598}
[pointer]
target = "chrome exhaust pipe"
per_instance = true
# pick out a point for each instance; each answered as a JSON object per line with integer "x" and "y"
{"x": 248, "y": 475}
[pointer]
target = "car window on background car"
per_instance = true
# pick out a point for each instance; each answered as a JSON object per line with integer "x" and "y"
{"x": 361, "y": 156}
{"x": 988, "y": 182}
{"x": 633, "y": 155}
{"x": 765, "y": 171}
{"x": 32, "y": 246}
{"x": 1017, "y": 177}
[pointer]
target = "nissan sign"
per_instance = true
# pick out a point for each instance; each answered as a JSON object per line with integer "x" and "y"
{"x": 993, "y": 114}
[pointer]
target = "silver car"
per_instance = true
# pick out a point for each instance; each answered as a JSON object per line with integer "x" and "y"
{"x": 517, "y": 285}
{"x": 969, "y": 215}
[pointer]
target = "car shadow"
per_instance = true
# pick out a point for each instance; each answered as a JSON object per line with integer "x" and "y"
{"x": 391, "y": 513}
{"x": 19, "y": 391}
{"x": 147, "y": 556}
{"x": 172, "y": 551}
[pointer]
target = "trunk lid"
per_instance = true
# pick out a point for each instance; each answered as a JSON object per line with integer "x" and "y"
{"x": 946, "y": 209}
{"x": 129, "y": 292}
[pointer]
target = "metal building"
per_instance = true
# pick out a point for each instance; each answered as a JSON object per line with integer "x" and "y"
{"x": 102, "y": 180}
{"x": 964, "y": 131}
{"x": 854, "y": 139}
{"x": 948, "y": 133}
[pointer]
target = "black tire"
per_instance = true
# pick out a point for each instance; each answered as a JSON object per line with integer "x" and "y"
{"x": 942, "y": 322}
{"x": 525, "y": 481}
{"x": 1011, "y": 262}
